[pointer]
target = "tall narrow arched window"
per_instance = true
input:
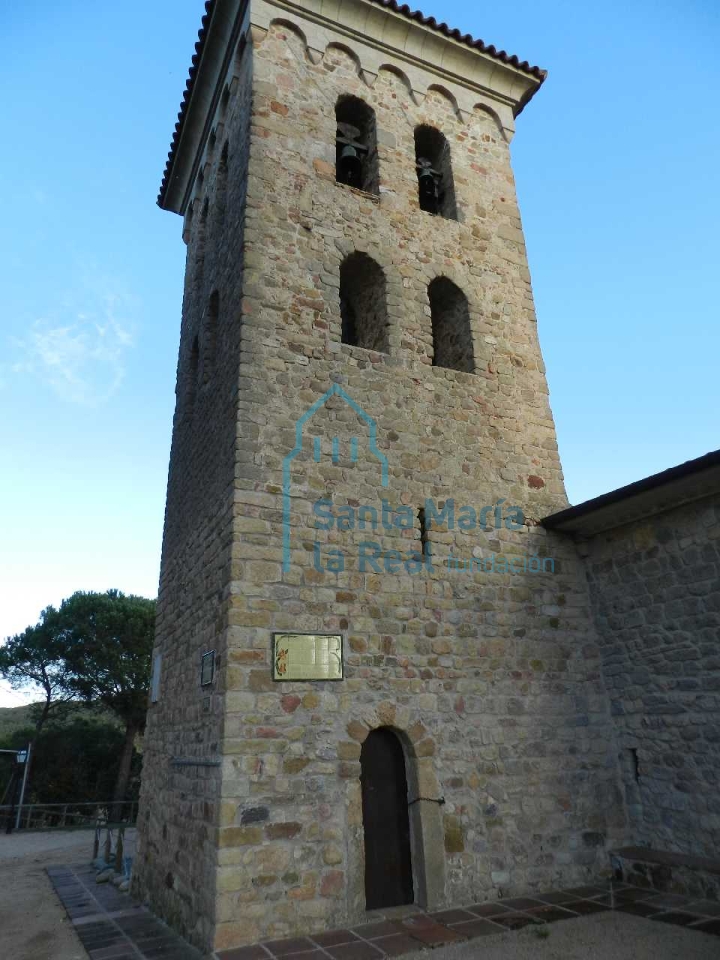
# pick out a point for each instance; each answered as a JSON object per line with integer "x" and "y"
{"x": 436, "y": 187}
{"x": 356, "y": 159}
{"x": 188, "y": 227}
{"x": 191, "y": 377}
{"x": 209, "y": 337}
{"x": 452, "y": 337}
{"x": 201, "y": 242}
{"x": 363, "y": 303}
{"x": 221, "y": 186}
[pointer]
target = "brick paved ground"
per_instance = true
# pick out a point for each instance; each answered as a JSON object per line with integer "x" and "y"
{"x": 112, "y": 927}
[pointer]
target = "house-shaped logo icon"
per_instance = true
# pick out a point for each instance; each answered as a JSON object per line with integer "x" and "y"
{"x": 335, "y": 390}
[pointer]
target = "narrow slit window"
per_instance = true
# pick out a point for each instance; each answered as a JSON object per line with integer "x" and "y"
{"x": 222, "y": 177}
{"x": 191, "y": 377}
{"x": 209, "y": 337}
{"x": 363, "y": 303}
{"x": 356, "y": 158}
{"x": 424, "y": 533}
{"x": 201, "y": 242}
{"x": 452, "y": 336}
{"x": 436, "y": 186}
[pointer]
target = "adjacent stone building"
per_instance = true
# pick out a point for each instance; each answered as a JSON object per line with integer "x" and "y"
{"x": 652, "y": 555}
{"x": 363, "y": 449}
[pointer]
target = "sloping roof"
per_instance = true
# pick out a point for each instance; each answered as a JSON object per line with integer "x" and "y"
{"x": 403, "y": 9}
{"x": 685, "y": 483}
{"x": 465, "y": 38}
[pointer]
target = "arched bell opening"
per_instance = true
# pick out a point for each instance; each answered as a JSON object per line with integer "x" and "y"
{"x": 356, "y": 158}
{"x": 451, "y": 328}
{"x": 436, "y": 185}
{"x": 363, "y": 303}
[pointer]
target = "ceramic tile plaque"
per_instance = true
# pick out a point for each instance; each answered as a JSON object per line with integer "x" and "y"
{"x": 307, "y": 656}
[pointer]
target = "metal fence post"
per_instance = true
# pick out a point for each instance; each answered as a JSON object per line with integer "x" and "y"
{"x": 24, "y": 784}
{"x": 119, "y": 850}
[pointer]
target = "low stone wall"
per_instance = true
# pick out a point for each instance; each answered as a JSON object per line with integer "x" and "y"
{"x": 668, "y": 872}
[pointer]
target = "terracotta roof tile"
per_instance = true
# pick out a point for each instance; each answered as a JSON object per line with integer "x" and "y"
{"x": 403, "y": 9}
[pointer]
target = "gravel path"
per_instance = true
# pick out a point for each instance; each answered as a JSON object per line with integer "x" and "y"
{"x": 33, "y": 925}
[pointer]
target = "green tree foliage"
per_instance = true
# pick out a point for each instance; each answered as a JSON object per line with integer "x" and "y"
{"x": 108, "y": 639}
{"x": 97, "y": 648}
{"x": 75, "y": 761}
{"x": 36, "y": 658}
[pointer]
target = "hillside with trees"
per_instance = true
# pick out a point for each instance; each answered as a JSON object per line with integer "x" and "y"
{"x": 89, "y": 660}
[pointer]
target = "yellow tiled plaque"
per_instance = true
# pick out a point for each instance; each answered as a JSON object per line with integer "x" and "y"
{"x": 307, "y": 656}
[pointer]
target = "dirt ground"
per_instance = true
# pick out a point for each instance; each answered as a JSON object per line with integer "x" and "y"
{"x": 33, "y": 925}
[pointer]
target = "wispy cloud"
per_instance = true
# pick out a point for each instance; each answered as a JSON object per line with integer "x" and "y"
{"x": 80, "y": 348}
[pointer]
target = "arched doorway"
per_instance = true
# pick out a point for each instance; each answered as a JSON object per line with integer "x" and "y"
{"x": 388, "y": 864}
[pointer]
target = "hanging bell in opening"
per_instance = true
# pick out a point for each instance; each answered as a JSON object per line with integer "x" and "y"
{"x": 350, "y": 166}
{"x": 428, "y": 190}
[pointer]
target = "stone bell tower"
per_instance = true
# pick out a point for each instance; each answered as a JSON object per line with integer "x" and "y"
{"x": 375, "y": 680}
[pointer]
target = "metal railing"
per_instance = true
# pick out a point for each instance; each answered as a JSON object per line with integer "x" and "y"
{"x": 46, "y": 816}
{"x": 109, "y": 845}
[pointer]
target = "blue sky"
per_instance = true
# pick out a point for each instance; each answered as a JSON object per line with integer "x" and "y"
{"x": 616, "y": 162}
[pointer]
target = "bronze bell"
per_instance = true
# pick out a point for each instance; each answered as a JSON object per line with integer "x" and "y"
{"x": 428, "y": 190}
{"x": 350, "y": 167}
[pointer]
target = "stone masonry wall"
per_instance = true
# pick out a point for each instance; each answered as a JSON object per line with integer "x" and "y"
{"x": 179, "y": 811}
{"x": 491, "y": 680}
{"x": 655, "y": 588}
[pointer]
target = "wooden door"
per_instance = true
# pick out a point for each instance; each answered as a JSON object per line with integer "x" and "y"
{"x": 388, "y": 867}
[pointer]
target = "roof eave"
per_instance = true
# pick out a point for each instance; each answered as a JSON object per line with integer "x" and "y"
{"x": 217, "y": 39}
{"x": 686, "y": 483}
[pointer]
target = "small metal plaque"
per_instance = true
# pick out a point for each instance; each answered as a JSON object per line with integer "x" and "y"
{"x": 207, "y": 668}
{"x": 307, "y": 656}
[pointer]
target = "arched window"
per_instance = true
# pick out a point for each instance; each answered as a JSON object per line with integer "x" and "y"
{"x": 356, "y": 159}
{"x": 221, "y": 187}
{"x": 452, "y": 338}
{"x": 191, "y": 377}
{"x": 188, "y": 230}
{"x": 209, "y": 337}
{"x": 363, "y": 305}
{"x": 201, "y": 242}
{"x": 436, "y": 187}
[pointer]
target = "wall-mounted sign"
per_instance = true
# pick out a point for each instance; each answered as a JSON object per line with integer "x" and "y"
{"x": 207, "y": 668}
{"x": 307, "y": 656}
{"x": 155, "y": 679}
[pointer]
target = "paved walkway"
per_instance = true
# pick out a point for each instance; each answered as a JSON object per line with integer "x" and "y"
{"x": 112, "y": 927}
{"x": 406, "y": 931}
